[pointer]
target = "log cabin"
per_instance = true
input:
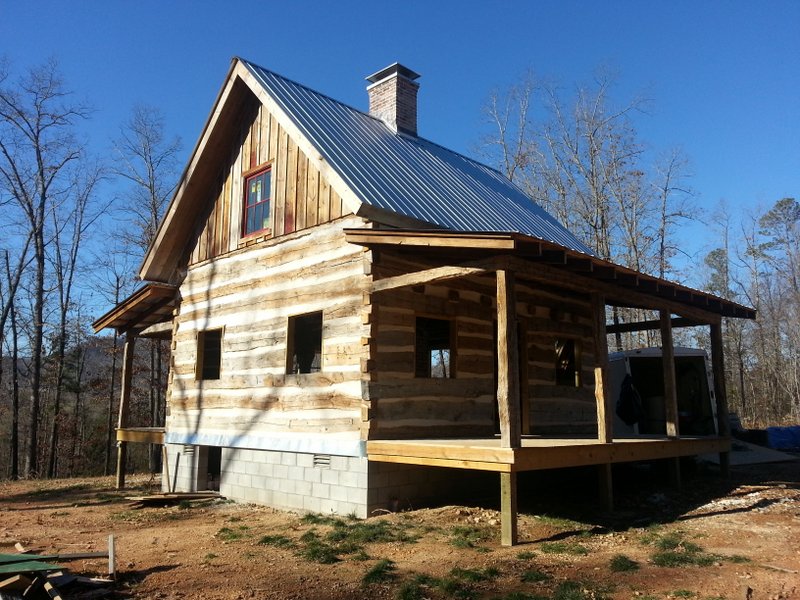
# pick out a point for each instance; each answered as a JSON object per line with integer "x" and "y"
{"x": 362, "y": 319}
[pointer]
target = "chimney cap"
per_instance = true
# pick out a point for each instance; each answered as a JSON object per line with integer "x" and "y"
{"x": 393, "y": 69}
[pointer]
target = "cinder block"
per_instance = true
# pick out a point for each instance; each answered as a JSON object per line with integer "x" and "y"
{"x": 305, "y": 460}
{"x": 338, "y": 493}
{"x": 280, "y": 472}
{"x": 251, "y": 468}
{"x": 296, "y": 473}
{"x": 289, "y": 459}
{"x": 348, "y": 479}
{"x": 339, "y": 463}
{"x": 321, "y": 490}
{"x": 302, "y": 487}
{"x": 313, "y": 475}
{"x": 356, "y": 496}
{"x": 258, "y": 482}
{"x": 265, "y": 469}
{"x": 311, "y": 504}
{"x": 330, "y": 477}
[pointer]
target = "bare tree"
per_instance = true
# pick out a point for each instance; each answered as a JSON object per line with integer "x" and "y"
{"x": 65, "y": 256}
{"x": 37, "y": 151}
{"x": 149, "y": 161}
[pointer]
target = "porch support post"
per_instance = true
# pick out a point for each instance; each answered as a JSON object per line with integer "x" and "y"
{"x": 124, "y": 405}
{"x": 508, "y": 508}
{"x": 602, "y": 395}
{"x": 508, "y": 398}
{"x": 670, "y": 391}
{"x": 507, "y": 362}
{"x": 720, "y": 393}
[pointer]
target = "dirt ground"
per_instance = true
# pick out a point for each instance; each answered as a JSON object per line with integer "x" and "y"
{"x": 735, "y": 539}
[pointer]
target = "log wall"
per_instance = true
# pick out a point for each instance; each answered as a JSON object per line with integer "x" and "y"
{"x": 251, "y": 293}
{"x": 400, "y": 405}
{"x": 300, "y": 197}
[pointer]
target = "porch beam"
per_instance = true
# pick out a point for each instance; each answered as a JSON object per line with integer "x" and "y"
{"x": 433, "y": 275}
{"x": 507, "y": 361}
{"x": 651, "y": 325}
{"x": 602, "y": 388}
{"x": 720, "y": 392}
{"x": 539, "y": 271}
{"x": 124, "y": 405}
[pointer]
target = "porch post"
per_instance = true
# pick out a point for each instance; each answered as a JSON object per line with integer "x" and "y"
{"x": 670, "y": 390}
{"x": 124, "y": 405}
{"x": 603, "y": 399}
{"x": 720, "y": 393}
{"x": 508, "y": 398}
{"x": 507, "y": 361}
{"x": 508, "y": 508}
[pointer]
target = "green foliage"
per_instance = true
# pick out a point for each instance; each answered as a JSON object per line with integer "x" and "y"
{"x": 316, "y": 550}
{"x": 414, "y": 589}
{"x": 278, "y": 541}
{"x": 521, "y": 596}
{"x": 535, "y": 576}
{"x": 574, "y": 590}
{"x": 622, "y": 564}
{"x": 232, "y": 534}
{"x": 316, "y": 519}
{"x": 382, "y": 571}
{"x": 463, "y": 536}
{"x": 683, "y": 594}
{"x": 526, "y": 555}
{"x": 475, "y": 575}
{"x": 573, "y": 548}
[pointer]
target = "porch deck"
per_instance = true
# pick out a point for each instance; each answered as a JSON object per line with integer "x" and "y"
{"x": 538, "y": 452}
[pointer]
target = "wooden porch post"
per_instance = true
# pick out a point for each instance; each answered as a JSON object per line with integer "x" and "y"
{"x": 508, "y": 398}
{"x": 720, "y": 392}
{"x": 124, "y": 405}
{"x": 603, "y": 399}
{"x": 670, "y": 390}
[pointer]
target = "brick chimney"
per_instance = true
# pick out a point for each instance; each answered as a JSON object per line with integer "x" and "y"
{"x": 393, "y": 97}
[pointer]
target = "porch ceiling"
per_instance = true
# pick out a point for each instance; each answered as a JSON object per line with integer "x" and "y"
{"x": 532, "y": 258}
{"x": 147, "y": 306}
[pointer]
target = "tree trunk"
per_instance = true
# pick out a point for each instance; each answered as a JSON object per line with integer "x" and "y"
{"x": 31, "y": 457}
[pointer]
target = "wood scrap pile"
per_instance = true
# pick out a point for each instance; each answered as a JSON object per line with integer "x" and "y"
{"x": 166, "y": 499}
{"x": 30, "y": 576}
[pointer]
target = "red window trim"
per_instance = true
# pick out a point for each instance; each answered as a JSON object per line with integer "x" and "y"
{"x": 247, "y": 176}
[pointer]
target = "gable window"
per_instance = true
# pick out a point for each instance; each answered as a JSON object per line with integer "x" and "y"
{"x": 568, "y": 367}
{"x": 209, "y": 354}
{"x": 304, "y": 344}
{"x": 434, "y": 349}
{"x": 257, "y": 202}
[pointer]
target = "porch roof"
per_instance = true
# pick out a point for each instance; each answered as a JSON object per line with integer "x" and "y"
{"x": 531, "y": 257}
{"x": 151, "y": 304}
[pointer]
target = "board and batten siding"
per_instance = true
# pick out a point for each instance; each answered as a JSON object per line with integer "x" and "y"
{"x": 401, "y": 405}
{"x": 250, "y": 294}
{"x": 300, "y": 196}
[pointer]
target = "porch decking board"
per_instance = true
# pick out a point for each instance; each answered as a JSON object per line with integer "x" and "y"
{"x": 537, "y": 453}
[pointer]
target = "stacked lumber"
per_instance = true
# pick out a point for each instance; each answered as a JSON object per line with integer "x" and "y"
{"x": 30, "y": 576}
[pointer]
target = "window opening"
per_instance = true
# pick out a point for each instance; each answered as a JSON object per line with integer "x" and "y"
{"x": 257, "y": 202}
{"x": 434, "y": 351}
{"x": 568, "y": 371}
{"x": 305, "y": 344}
{"x": 209, "y": 354}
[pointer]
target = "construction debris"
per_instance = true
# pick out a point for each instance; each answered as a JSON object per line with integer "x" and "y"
{"x": 171, "y": 498}
{"x": 31, "y": 576}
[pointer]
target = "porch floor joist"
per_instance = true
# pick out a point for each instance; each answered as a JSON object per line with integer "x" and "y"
{"x": 536, "y": 453}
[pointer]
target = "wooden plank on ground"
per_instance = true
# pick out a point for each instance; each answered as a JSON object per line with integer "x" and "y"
{"x": 15, "y": 583}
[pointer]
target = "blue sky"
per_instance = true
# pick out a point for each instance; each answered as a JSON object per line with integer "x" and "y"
{"x": 724, "y": 76}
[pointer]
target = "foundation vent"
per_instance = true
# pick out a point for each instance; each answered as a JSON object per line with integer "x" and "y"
{"x": 322, "y": 461}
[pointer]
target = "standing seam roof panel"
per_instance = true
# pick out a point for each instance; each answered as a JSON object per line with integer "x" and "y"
{"x": 410, "y": 175}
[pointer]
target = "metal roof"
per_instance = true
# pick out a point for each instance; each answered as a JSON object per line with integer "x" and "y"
{"x": 409, "y": 175}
